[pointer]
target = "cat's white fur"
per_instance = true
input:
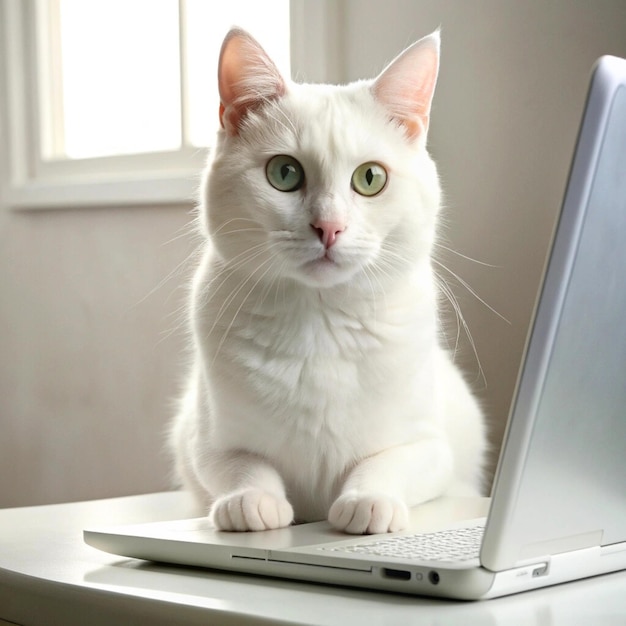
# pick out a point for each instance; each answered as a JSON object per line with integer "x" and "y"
{"x": 319, "y": 388}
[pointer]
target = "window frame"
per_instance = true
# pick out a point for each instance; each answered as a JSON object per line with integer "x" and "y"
{"x": 154, "y": 178}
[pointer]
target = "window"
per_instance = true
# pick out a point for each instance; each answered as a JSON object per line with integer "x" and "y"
{"x": 112, "y": 91}
{"x": 115, "y": 101}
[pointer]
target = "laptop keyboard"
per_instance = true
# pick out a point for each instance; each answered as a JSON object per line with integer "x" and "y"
{"x": 448, "y": 546}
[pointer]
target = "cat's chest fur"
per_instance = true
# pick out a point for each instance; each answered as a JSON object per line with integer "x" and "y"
{"x": 300, "y": 373}
{"x": 315, "y": 383}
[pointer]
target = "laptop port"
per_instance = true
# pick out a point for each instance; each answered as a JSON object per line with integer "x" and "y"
{"x": 433, "y": 577}
{"x": 397, "y": 574}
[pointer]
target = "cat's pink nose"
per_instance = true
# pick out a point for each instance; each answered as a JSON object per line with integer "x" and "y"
{"x": 328, "y": 231}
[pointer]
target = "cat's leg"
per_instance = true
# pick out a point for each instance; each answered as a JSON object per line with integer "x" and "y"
{"x": 247, "y": 492}
{"x": 378, "y": 491}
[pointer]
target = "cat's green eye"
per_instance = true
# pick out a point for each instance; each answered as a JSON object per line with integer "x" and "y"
{"x": 284, "y": 173}
{"x": 369, "y": 179}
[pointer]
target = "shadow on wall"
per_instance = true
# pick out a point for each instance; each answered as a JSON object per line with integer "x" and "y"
{"x": 93, "y": 299}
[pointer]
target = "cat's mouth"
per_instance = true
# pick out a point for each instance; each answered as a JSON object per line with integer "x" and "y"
{"x": 327, "y": 258}
{"x": 320, "y": 267}
{"x": 327, "y": 269}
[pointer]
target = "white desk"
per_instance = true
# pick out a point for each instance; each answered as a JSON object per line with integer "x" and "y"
{"x": 48, "y": 576}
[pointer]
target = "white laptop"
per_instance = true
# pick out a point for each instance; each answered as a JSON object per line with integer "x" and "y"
{"x": 558, "y": 506}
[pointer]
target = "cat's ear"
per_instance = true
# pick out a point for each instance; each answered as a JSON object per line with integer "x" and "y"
{"x": 247, "y": 78}
{"x": 406, "y": 86}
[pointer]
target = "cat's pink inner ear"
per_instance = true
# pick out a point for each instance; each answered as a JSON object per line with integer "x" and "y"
{"x": 406, "y": 86}
{"x": 247, "y": 78}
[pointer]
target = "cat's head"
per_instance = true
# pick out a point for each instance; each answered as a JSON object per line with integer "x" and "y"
{"x": 323, "y": 184}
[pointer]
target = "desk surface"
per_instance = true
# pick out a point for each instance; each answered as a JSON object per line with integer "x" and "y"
{"x": 49, "y": 576}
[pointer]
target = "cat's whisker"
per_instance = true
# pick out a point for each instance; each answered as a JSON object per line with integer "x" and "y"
{"x": 463, "y": 256}
{"x": 281, "y": 286}
{"x": 373, "y": 271}
{"x": 383, "y": 264}
{"x": 188, "y": 261}
{"x": 466, "y": 285}
{"x": 246, "y": 257}
{"x": 461, "y": 318}
{"x": 234, "y": 293}
{"x": 386, "y": 265}
{"x": 369, "y": 275}
{"x": 238, "y": 231}
{"x": 237, "y": 219}
{"x": 267, "y": 290}
{"x": 394, "y": 260}
{"x": 241, "y": 259}
{"x": 180, "y": 314}
{"x": 180, "y": 319}
{"x": 268, "y": 262}
{"x": 449, "y": 295}
{"x": 188, "y": 231}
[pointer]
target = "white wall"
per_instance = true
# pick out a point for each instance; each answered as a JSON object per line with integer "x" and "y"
{"x": 87, "y": 368}
{"x": 91, "y": 350}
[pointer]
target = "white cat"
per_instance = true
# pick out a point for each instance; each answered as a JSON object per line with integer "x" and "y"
{"x": 319, "y": 388}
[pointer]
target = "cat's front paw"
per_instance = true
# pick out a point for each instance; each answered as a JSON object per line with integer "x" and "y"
{"x": 251, "y": 509}
{"x": 359, "y": 513}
